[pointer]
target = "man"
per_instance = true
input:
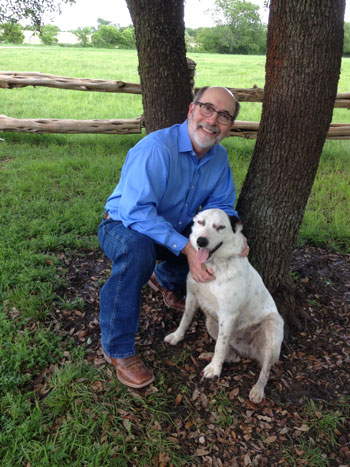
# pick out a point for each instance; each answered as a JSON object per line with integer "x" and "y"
{"x": 166, "y": 178}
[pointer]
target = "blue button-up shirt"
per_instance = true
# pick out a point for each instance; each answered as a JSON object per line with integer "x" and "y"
{"x": 163, "y": 184}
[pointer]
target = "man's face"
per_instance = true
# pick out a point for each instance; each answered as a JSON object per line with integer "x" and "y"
{"x": 207, "y": 131}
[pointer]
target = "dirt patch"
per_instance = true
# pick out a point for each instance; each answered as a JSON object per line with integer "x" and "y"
{"x": 314, "y": 366}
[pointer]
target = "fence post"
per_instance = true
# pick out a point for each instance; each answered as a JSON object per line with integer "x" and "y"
{"x": 192, "y": 70}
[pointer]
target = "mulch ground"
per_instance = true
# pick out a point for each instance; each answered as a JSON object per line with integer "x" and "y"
{"x": 282, "y": 429}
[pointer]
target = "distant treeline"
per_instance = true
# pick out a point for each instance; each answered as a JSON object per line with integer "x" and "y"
{"x": 223, "y": 39}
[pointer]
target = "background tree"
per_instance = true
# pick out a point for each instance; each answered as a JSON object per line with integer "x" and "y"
{"x": 106, "y": 36}
{"x": 15, "y": 10}
{"x": 48, "y": 34}
{"x": 109, "y": 35}
{"x": 214, "y": 40}
{"x": 127, "y": 39}
{"x": 103, "y": 22}
{"x": 11, "y": 33}
{"x": 220, "y": 39}
{"x": 164, "y": 76}
{"x": 244, "y": 31}
{"x": 304, "y": 49}
{"x": 83, "y": 35}
{"x": 346, "y": 48}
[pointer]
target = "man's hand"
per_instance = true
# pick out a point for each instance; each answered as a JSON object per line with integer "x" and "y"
{"x": 199, "y": 271}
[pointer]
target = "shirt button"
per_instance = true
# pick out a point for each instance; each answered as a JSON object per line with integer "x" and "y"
{"x": 180, "y": 222}
{"x": 174, "y": 246}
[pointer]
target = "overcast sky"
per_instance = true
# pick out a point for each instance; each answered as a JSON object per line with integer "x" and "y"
{"x": 86, "y": 12}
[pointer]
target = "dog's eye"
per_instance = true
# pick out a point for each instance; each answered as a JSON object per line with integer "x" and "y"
{"x": 201, "y": 222}
{"x": 218, "y": 227}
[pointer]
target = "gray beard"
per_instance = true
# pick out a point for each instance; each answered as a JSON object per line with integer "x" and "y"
{"x": 202, "y": 144}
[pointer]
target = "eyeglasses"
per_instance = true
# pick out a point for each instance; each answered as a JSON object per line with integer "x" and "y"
{"x": 207, "y": 110}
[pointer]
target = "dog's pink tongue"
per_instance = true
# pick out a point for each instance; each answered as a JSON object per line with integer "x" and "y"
{"x": 202, "y": 255}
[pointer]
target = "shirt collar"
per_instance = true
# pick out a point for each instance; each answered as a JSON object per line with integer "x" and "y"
{"x": 185, "y": 143}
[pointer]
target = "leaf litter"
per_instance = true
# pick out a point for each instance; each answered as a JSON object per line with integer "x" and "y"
{"x": 214, "y": 421}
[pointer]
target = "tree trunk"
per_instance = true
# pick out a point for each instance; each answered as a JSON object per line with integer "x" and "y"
{"x": 304, "y": 49}
{"x": 164, "y": 75}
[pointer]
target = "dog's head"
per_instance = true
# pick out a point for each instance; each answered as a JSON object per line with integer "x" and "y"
{"x": 214, "y": 233}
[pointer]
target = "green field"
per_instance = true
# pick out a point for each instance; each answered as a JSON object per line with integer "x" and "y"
{"x": 52, "y": 193}
{"x": 326, "y": 217}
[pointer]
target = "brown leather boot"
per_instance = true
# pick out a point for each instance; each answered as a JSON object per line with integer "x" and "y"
{"x": 174, "y": 300}
{"x": 131, "y": 371}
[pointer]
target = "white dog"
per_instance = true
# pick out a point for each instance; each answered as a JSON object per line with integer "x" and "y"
{"x": 240, "y": 312}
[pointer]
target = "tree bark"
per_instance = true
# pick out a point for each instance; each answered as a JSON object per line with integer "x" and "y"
{"x": 304, "y": 49}
{"x": 164, "y": 75}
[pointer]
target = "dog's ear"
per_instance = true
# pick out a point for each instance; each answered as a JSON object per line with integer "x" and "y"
{"x": 236, "y": 224}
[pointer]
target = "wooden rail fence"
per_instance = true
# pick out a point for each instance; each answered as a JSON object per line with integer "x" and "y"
{"x": 12, "y": 79}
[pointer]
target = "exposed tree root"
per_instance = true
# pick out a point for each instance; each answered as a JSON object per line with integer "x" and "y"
{"x": 290, "y": 303}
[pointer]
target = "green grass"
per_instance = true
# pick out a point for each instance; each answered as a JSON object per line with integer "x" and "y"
{"x": 77, "y": 429}
{"x": 52, "y": 192}
{"x": 324, "y": 422}
{"x": 322, "y": 426}
{"x": 221, "y": 406}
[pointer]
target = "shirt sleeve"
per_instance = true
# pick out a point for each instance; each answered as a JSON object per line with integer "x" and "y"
{"x": 144, "y": 184}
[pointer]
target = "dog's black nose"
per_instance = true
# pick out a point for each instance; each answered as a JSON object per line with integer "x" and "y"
{"x": 202, "y": 242}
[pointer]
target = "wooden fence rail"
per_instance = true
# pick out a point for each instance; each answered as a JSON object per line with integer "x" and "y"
{"x": 15, "y": 79}
{"x": 51, "y": 125}
{"x": 250, "y": 130}
{"x": 12, "y": 79}
{"x": 242, "y": 129}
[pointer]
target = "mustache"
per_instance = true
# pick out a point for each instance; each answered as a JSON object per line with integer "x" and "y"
{"x": 212, "y": 128}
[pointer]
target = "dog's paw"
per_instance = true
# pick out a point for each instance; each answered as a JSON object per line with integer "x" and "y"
{"x": 256, "y": 394}
{"x": 211, "y": 370}
{"x": 173, "y": 338}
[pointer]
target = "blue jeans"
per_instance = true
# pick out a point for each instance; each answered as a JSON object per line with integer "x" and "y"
{"x": 133, "y": 257}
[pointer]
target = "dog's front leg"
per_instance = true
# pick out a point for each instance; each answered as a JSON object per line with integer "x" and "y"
{"x": 190, "y": 308}
{"x": 221, "y": 348}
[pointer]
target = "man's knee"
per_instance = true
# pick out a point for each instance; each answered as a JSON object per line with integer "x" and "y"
{"x": 122, "y": 244}
{"x": 140, "y": 248}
